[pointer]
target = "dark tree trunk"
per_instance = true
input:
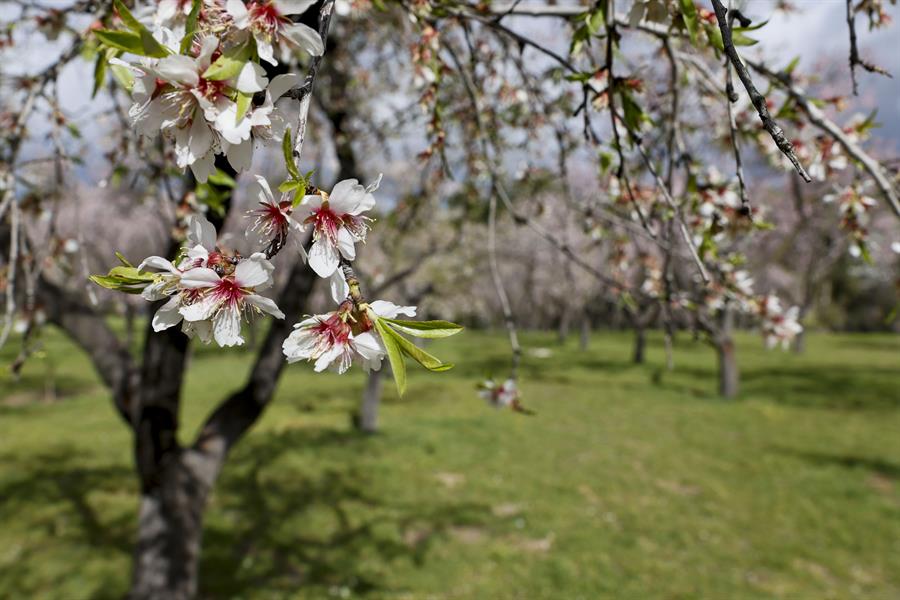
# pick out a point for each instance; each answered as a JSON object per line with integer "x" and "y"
{"x": 170, "y": 525}
{"x": 562, "y": 332}
{"x": 640, "y": 343}
{"x": 729, "y": 377}
{"x": 368, "y": 410}
{"x": 585, "y": 337}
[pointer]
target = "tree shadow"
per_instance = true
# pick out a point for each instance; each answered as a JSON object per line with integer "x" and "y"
{"x": 877, "y": 466}
{"x": 855, "y": 388}
{"x": 289, "y": 526}
{"x": 50, "y": 492}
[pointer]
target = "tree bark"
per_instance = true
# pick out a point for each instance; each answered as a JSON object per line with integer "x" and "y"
{"x": 729, "y": 377}
{"x": 584, "y": 338}
{"x": 170, "y": 525}
{"x": 640, "y": 343}
{"x": 368, "y": 409}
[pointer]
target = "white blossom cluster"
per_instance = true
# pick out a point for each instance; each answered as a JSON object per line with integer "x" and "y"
{"x": 198, "y": 80}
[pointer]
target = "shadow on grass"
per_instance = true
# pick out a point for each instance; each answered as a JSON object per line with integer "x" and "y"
{"x": 286, "y": 528}
{"x": 826, "y": 387}
{"x": 877, "y": 466}
{"x": 50, "y": 493}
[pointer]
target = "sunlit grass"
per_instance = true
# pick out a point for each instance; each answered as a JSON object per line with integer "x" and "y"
{"x": 630, "y": 482}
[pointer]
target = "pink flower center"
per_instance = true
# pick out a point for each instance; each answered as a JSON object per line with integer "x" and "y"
{"x": 228, "y": 291}
{"x": 327, "y": 223}
{"x": 210, "y": 89}
{"x": 272, "y": 219}
{"x": 265, "y": 17}
{"x": 333, "y": 331}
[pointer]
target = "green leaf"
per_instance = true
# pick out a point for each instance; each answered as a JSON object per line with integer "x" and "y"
{"x": 100, "y": 66}
{"x": 141, "y": 44}
{"x": 190, "y": 27}
{"x": 287, "y": 149}
{"x": 395, "y": 356}
{"x": 123, "y": 260}
{"x": 740, "y": 39}
{"x": 243, "y": 105}
{"x": 229, "y": 64}
{"x": 123, "y": 40}
{"x": 432, "y": 363}
{"x": 124, "y": 279}
{"x": 426, "y": 329}
{"x": 689, "y": 16}
{"x": 634, "y": 116}
{"x": 127, "y": 17}
{"x": 222, "y": 179}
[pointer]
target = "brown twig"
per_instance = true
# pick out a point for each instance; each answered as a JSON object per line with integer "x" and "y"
{"x": 758, "y": 100}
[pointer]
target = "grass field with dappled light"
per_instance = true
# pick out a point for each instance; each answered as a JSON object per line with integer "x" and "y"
{"x": 630, "y": 482}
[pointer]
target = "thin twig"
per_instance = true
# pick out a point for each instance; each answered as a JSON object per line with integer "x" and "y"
{"x": 818, "y": 118}
{"x": 758, "y": 100}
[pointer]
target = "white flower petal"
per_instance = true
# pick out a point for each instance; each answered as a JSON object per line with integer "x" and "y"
{"x": 253, "y": 272}
{"x": 338, "y": 284}
{"x": 264, "y": 304}
{"x": 305, "y": 37}
{"x": 201, "y": 310}
{"x": 178, "y": 69}
{"x": 240, "y": 156}
{"x": 239, "y": 13}
{"x": 281, "y": 84}
{"x": 251, "y": 79}
{"x": 389, "y": 310}
{"x": 346, "y": 243}
{"x": 200, "y": 277}
{"x": 293, "y": 7}
{"x": 167, "y": 315}
{"x": 323, "y": 257}
{"x": 157, "y": 262}
{"x": 227, "y": 327}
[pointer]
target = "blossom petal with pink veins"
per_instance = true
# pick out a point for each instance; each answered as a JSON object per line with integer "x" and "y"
{"x": 305, "y": 37}
{"x": 201, "y": 277}
{"x": 239, "y": 13}
{"x": 293, "y": 7}
{"x": 254, "y": 272}
{"x": 201, "y": 232}
{"x": 201, "y": 310}
{"x": 264, "y": 304}
{"x": 323, "y": 257}
{"x": 338, "y": 284}
{"x": 167, "y": 315}
{"x": 157, "y": 262}
{"x": 251, "y": 79}
{"x": 178, "y": 69}
{"x": 389, "y": 310}
{"x": 281, "y": 84}
{"x": 346, "y": 243}
{"x": 227, "y": 327}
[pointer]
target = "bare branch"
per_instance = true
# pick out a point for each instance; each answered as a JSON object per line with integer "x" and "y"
{"x": 758, "y": 100}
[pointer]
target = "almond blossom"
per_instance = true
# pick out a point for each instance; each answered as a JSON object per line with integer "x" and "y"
{"x": 171, "y": 95}
{"x": 270, "y": 25}
{"x": 499, "y": 394}
{"x": 337, "y": 223}
{"x": 778, "y": 326}
{"x": 338, "y": 338}
{"x": 272, "y": 221}
{"x": 225, "y": 299}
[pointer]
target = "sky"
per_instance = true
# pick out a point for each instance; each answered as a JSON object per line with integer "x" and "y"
{"x": 817, "y": 33}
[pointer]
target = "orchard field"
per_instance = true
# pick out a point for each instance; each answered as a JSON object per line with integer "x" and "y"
{"x": 629, "y": 482}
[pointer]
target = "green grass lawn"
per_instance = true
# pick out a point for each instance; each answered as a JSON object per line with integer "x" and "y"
{"x": 630, "y": 482}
